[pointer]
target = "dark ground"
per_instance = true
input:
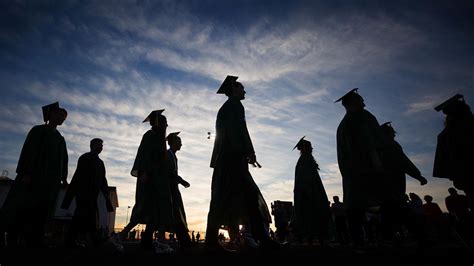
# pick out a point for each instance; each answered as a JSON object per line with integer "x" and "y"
{"x": 450, "y": 254}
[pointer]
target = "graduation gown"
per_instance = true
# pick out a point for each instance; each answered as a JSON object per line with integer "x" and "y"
{"x": 179, "y": 215}
{"x": 88, "y": 180}
{"x": 454, "y": 158}
{"x": 358, "y": 135}
{"x": 233, "y": 188}
{"x": 396, "y": 165}
{"x": 44, "y": 158}
{"x": 153, "y": 204}
{"x": 312, "y": 214}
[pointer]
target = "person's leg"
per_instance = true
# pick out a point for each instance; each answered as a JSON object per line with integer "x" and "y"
{"x": 72, "y": 233}
{"x": 356, "y": 223}
{"x": 124, "y": 233}
{"x": 212, "y": 229}
{"x": 35, "y": 226}
{"x": 147, "y": 238}
{"x": 13, "y": 235}
{"x": 183, "y": 236}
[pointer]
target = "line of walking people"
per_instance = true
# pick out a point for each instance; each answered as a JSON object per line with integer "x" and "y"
{"x": 372, "y": 164}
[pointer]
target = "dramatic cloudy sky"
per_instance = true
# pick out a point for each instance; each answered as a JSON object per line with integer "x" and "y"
{"x": 109, "y": 63}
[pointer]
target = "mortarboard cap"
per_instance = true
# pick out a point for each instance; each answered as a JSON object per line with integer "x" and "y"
{"x": 227, "y": 85}
{"x": 387, "y": 128}
{"x": 456, "y": 98}
{"x": 47, "y": 110}
{"x": 172, "y": 135}
{"x": 387, "y": 124}
{"x": 300, "y": 142}
{"x": 348, "y": 95}
{"x": 153, "y": 114}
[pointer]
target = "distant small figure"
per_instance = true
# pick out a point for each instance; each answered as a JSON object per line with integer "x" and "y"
{"x": 221, "y": 237}
{"x": 340, "y": 220}
{"x": 415, "y": 203}
{"x": 193, "y": 237}
{"x": 42, "y": 167}
{"x": 282, "y": 212}
{"x": 433, "y": 217}
{"x": 312, "y": 216}
{"x": 457, "y": 205}
{"x": 415, "y": 220}
{"x": 458, "y": 208}
{"x": 86, "y": 184}
{"x": 198, "y": 237}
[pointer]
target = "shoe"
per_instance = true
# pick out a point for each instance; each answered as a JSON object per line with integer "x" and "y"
{"x": 187, "y": 245}
{"x": 116, "y": 242}
{"x": 161, "y": 248}
{"x": 270, "y": 245}
{"x": 250, "y": 242}
{"x": 218, "y": 248}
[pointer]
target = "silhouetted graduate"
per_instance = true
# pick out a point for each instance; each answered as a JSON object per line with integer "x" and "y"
{"x": 86, "y": 184}
{"x": 454, "y": 158}
{"x": 359, "y": 140}
{"x": 235, "y": 198}
{"x": 312, "y": 215}
{"x": 153, "y": 204}
{"x": 180, "y": 225}
{"x": 396, "y": 165}
{"x": 42, "y": 167}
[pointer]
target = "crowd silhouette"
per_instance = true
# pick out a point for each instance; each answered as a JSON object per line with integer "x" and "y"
{"x": 375, "y": 209}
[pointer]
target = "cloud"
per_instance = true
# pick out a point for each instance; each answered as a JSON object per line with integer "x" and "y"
{"x": 427, "y": 103}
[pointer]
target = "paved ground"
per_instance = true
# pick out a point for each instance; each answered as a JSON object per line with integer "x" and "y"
{"x": 450, "y": 254}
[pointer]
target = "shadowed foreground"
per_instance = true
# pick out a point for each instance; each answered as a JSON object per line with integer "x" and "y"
{"x": 447, "y": 253}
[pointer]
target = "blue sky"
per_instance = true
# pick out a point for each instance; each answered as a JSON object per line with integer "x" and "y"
{"x": 110, "y": 63}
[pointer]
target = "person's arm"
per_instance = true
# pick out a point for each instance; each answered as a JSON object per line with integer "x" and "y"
{"x": 410, "y": 168}
{"x": 142, "y": 162}
{"x": 237, "y": 132}
{"x": 65, "y": 161}
{"x": 376, "y": 160}
{"x": 29, "y": 154}
{"x": 104, "y": 187}
{"x": 183, "y": 182}
{"x": 448, "y": 204}
{"x": 373, "y": 139}
{"x": 76, "y": 178}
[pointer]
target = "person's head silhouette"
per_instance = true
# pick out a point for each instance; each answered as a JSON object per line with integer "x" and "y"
{"x": 174, "y": 141}
{"x": 232, "y": 88}
{"x": 304, "y": 146}
{"x": 96, "y": 145}
{"x": 53, "y": 114}
{"x": 352, "y": 101}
